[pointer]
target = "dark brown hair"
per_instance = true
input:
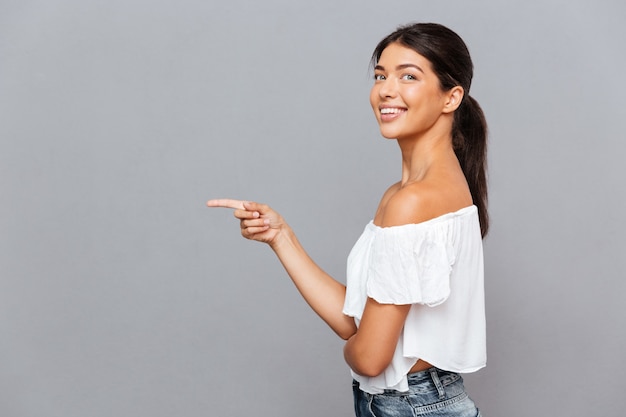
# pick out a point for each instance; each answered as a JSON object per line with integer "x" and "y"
{"x": 451, "y": 61}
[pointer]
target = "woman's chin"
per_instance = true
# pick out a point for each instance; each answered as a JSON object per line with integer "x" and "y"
{"x": 388, "y": 135}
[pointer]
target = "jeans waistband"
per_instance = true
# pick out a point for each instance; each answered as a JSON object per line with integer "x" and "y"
{"x": 438, "y": 377}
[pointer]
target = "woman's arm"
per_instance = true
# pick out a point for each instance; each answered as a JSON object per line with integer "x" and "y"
{"x": 371, "y": 348}
{"x": 324, "y": 294}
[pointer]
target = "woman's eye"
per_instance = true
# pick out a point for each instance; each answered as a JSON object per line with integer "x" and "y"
{"x": 410, "y": 77}
{"x": 379, "y": 77}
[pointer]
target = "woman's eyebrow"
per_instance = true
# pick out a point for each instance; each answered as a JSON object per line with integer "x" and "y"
{"x": 401, "y": 67}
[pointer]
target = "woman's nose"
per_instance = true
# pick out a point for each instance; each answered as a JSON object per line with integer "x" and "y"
{"x": 387, "y": 89}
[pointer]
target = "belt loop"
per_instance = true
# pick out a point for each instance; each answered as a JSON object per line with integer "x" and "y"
{"x": 435, "y": 377}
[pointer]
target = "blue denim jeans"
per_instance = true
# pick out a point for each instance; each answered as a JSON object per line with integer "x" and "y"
{"x": 433, "y": 393}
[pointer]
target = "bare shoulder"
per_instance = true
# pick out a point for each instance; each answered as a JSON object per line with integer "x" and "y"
{"x": 392, "y": 190}
{"x": 419, "y": 202}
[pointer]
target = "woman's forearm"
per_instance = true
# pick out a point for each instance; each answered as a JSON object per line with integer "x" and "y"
{"x": 325, "y": 295}
{"x": 322, "y": 292}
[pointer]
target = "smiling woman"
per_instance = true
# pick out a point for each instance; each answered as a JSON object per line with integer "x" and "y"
{"x": 407, "y": 92}
{"x": 412, "y": 312}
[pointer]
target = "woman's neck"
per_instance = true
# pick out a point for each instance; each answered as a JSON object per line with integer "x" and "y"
{"x": 420, "y": 154}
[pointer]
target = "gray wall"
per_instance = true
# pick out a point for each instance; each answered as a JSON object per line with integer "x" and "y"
{"x": 122, "y": 295}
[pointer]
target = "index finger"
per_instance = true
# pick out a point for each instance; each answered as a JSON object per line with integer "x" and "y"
{"x": 226, "y": 203}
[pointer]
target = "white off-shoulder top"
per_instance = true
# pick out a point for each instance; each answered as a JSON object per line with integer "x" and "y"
{"x": 437, "y": 267}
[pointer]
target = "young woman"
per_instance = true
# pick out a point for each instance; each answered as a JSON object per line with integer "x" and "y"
{"x": 412, "y": 312}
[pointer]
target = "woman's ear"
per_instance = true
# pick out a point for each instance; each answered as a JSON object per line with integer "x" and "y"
{"x": 454, "y": 96}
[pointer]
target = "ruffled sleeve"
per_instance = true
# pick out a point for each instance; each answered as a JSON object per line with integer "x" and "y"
{"x": 411, "y": 264}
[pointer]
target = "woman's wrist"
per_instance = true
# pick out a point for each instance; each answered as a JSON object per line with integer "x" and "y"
{"x": 285, "y": 237}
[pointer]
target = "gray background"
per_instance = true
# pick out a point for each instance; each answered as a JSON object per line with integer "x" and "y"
{"x": 122, "y": 295}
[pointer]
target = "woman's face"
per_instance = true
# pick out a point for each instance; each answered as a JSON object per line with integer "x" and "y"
{"x": 406, "y": 97}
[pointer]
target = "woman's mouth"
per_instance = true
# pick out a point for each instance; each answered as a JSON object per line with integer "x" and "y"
{"x": 388, "y": 114}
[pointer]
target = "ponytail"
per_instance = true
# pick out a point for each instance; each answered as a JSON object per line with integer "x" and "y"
{"x": 469, "y": 138}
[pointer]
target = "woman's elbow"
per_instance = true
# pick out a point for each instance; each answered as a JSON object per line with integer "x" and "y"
{"x": 345, "y": 334}
{"x": 368, "y": 364}
{"x": 369, "y": 368}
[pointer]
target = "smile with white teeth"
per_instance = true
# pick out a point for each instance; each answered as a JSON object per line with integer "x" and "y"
{"x": 390, "y": 110}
